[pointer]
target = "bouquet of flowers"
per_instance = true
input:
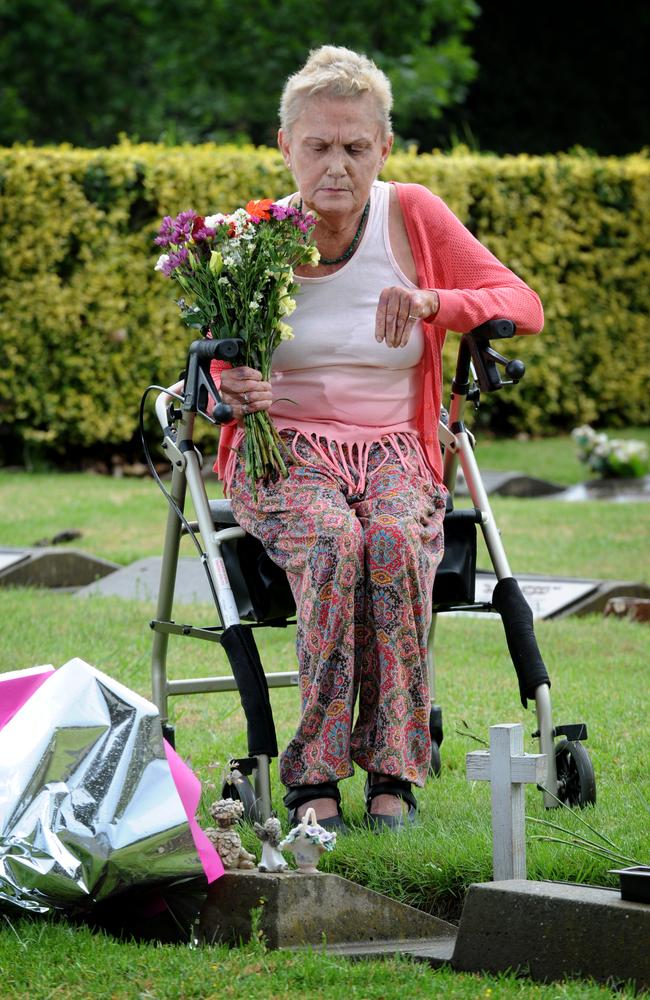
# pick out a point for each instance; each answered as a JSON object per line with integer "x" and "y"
{"x": 616, "y": 457}
{"x": 237, "y": 273}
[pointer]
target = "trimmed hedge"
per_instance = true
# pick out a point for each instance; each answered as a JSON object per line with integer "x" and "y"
{"x": 86, "y": 324}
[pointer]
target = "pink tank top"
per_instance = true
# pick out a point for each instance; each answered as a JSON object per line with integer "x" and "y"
{"x": 333, "y": 379}
{"x": 333, "y": 383}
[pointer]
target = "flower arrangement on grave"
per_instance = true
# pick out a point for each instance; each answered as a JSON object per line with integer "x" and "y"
{"x": 307, "y": 841}
{"x": 610, "y": 457}
{"x": 237, "y": 272}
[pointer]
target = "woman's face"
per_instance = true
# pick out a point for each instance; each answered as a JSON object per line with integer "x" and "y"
{"x": 335, "y": 152}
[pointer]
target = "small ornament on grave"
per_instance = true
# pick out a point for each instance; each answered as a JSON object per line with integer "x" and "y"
{"x": 227, "y": 812}
{"x": 270, "y": 834}
{"x": 307, "y": 842}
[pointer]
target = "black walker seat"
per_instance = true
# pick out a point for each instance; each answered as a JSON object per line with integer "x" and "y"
{"x": 251, "y": 591}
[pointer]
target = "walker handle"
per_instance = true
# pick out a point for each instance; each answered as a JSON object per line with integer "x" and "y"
{"x": 475, "y": 348}
{"x": 198, "y": 378}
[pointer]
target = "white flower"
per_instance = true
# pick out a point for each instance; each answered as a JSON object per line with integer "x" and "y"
{"x": 253, "y": 306}
{"x": 313, "y": 256}
{"x": 212, "y": 221}
{"x": 162, "y": 260}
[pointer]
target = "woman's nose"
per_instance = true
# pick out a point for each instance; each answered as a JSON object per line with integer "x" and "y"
{"x": 336, "y": 166}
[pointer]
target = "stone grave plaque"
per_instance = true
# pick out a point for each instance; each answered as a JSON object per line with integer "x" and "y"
{"x": 546, "y": 596}
{"x": 11, "y": 558}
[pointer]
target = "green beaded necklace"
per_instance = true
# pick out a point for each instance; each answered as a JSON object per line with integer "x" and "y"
{"x": 355, "y": 239}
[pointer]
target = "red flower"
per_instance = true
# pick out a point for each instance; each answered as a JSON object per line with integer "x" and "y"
{"x": 259, "y": 210}
{"x": 199, "y": 223}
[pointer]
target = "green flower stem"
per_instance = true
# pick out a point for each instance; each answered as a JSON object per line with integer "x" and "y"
{"x": 593, "y": 849}
{"x": 562, "y": 829}
{"x": 262, "y": 449}
{"x": 579, "y": 817}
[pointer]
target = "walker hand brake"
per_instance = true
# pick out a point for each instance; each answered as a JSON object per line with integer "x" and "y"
{"x": 485, "y": 359}
{"x": 199, "y": 384}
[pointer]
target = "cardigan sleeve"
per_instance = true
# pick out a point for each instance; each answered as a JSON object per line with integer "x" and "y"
{"x": 472, "y": 284}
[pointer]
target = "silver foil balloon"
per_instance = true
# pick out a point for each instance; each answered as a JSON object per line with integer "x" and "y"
{"x": 88, "y": 805}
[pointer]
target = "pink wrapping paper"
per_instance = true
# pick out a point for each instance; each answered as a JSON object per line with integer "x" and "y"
{"x": 188, "y": 787}
{"x": 17, "y": 687}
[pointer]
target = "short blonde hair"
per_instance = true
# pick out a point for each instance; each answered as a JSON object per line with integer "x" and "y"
{"x": 334, "y": 71}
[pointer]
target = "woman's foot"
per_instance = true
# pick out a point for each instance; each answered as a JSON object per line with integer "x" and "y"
{"x": 324, "y": 799}
{"x": 324, "y": 808}
{"x": 387, "y": 805}
{"x": 389, "y": 802}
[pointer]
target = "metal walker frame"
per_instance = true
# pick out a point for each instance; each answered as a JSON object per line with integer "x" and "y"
{"x": 476, "y": 372}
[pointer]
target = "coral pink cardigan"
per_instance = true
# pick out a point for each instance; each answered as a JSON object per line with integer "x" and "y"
{"x": 473, "y": 287}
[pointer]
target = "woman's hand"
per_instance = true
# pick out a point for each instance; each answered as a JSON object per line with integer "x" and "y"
{"x": 399, "y": 310}
{"x": 245, "y": 390}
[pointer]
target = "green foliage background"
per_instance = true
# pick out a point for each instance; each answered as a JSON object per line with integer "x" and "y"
{"x": 212, "y": 69}
{"x": 86, "y": 324}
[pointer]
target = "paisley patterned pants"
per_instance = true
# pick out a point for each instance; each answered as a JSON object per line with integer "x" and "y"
{"x": 361, "y": 570}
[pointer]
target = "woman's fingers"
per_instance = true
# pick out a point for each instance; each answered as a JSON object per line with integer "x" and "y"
{"x": 395, "y": 317}
{"x": 245, "y": 391}
{"x": 398, "y": 311}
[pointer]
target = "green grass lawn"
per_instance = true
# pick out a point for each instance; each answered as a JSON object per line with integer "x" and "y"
{"x": 44, "y": 960}
{"x": 123, "y": 519}
{"x": 599, "y": 672}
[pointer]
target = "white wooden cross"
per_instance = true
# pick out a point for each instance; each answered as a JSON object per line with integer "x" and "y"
{"x": 507, "y": 768}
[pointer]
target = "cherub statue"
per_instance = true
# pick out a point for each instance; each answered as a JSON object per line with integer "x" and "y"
{"x": 225, "y": 838}
{"x": 270, "y": 834}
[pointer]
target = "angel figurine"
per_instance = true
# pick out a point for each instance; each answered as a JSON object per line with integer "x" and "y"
{"x": 270, "y": 834}
{"x": 225, "y": 838}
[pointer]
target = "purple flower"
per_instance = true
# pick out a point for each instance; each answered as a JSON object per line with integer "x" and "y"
{"x": 203, "y": 233}
{"x": 183, "y": 226}
{"x": 164, "y": 237}
{"x": 174, "y": 261}
{"x": 279, "y": 212}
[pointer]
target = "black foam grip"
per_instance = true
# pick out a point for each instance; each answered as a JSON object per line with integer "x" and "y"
{"x": 517, "y": 619}
{"x": 239, "y": 644}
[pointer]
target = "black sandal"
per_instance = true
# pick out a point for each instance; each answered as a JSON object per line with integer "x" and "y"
{"x": 385, "y": 785}
{"x": 299, "y": 794}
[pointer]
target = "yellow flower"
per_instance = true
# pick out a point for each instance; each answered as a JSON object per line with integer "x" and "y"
{"x": 313, "y": 256}
{"x": 286, "y": 305}
{"x": 216, "y": 262}
{"x": 286, "y": 333}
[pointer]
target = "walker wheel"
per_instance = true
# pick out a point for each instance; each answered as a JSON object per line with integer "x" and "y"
{"x": 576, "y": 781}
{"x": 436, "y": 764}
{"x": 238, "y": 786}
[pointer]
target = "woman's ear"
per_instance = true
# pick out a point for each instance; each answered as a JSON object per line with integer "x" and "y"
{"x": 283, "y": 146}
{"x": 386, "y": 147}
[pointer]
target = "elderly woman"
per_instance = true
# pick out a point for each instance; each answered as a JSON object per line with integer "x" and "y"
{"x": 357, "y": 525}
